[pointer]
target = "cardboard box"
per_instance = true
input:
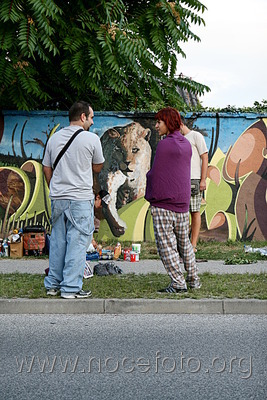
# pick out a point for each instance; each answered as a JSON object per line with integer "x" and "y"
{"x": 16, "y": 249}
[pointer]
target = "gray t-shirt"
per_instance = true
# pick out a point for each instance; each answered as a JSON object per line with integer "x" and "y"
{"x": 73, "y": 177}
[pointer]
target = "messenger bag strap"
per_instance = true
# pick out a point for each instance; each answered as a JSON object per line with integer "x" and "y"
{"x": 67, "y": 145}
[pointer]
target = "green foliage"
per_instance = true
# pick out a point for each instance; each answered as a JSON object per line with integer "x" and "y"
{"x": 238, "y": 260}
{"x": 258, "y": 107}
{"x": 115, "y": 54}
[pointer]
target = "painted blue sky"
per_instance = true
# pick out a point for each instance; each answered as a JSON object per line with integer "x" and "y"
{"x": 41, "y": 123}
{"x": 38, "y": 127}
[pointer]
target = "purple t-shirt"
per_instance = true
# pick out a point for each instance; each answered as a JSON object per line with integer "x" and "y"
{"x": 168, "y": 181}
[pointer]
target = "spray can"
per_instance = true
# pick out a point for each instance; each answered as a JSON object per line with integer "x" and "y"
{"x": 99, "y": 249}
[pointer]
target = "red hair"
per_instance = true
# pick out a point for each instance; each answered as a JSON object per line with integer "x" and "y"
{"x": 171, "y": 117}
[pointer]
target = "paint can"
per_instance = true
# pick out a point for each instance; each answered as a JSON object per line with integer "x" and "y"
{"x": 136, "y": 247}
{"x": 134, "y": 256}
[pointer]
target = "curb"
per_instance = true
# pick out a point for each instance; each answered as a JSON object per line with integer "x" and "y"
{"x": 133, "y": 306}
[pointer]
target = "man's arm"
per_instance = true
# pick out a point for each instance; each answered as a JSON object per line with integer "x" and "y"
{"x": 204, "y": 170}
{"x": 97, "y": 167}
{"x": 48, "y": 172}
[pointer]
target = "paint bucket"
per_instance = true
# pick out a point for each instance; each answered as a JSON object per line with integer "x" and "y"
{"x": 134, "y": 256}
{"x": 136, "y": 247}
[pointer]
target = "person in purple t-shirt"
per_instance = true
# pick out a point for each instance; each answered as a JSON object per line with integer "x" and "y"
{"x": 168, "y": 191}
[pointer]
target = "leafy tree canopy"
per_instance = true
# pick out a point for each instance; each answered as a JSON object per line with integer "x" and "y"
{"x": 259, "y": 107}
{"x": 118, "y": 55}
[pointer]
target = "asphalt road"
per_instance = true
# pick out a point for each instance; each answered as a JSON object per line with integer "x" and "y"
{"x": 112, "y": 357}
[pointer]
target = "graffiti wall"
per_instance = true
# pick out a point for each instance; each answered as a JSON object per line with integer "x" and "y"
{"x": 233, "y": 206}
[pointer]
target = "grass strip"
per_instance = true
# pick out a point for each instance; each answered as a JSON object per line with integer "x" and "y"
{"x": 131, "y": 286}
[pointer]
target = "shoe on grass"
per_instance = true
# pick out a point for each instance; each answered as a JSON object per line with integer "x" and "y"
{"x": 195, "y": 285}
{"x": 52, "y": 292}
{"x": 171, "y": 290}
{"x": 82, "y": 294}
{"x": 88, "y": 273}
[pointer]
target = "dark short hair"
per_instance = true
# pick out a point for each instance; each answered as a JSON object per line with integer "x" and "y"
{"x": 171, "y": 117}
{"x": 78, "y": 108}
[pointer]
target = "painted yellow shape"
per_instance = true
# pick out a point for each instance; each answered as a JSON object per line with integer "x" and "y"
{"x": 149, "y": 228}
{"x": 46, "y": 194}
{"x": 231, "y": 220}
{"x": 53, "y": 130}
{"x": 134, "y": 214}
{"x": 138, "y": 232}
{"x": 219, "y": 197}
{"x": 46, "y": 188}
{"x": 36, "y": 204}
{"x": 216, "y": 160}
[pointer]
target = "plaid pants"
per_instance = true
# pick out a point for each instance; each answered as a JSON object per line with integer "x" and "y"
{"x": 195, "y": 202}
{"x": 172, "y": 239}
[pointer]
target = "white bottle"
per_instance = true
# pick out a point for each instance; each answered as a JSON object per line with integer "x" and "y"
{"x": 5, "y": 249}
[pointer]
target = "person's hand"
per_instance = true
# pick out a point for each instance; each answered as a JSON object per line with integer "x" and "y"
{"x": 94, "y": 243}
{"x": 98, "y": 201}
{"x": 202, "y": 185}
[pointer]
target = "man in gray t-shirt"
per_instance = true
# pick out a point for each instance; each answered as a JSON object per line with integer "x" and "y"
{"x": 72, "y": 201}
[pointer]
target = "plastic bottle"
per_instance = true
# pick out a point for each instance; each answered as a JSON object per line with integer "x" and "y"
{"x": 99, "y": 249}
{"x": 117, "y": 251}
{"x": 262, "y": 250}
{"x": 248, "y": 249}
{"x": 5, "y": 249}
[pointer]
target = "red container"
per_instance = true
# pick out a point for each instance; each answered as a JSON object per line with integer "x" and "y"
{"x": 34, "y": 239}
{"x": 127, "y": 254}
{"x": 134, "y": 256}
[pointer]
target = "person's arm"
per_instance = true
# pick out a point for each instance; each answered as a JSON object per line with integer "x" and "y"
{"x": 48, "y": 172}
{"x": 97, "y": 167}
{"x": 204, "y": 170}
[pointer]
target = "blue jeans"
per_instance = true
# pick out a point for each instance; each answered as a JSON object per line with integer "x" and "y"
{"x": 72, "y": 232}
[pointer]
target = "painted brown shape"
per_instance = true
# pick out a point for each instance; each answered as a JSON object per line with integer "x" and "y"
{"x": 252, "y": 196}
{"x": 11, "y": 184}
{"x": 249, "y": 150}
{"x": 214, "y": 174}
{"x": 217, "y": 221}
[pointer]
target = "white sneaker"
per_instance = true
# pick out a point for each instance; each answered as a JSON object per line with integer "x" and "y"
{"x": 82, "y": 294}
{"x": 52, "y": 292}
{"x": 88, "y": 273}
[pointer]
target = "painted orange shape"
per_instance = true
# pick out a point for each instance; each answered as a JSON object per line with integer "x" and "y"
{"x": 218, "y": 220}
{"x": 214, "y": 174}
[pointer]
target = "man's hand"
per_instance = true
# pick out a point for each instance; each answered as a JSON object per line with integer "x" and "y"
{"x": 48, "y": 172}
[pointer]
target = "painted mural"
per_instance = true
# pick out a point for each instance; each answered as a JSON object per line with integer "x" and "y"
{"x": 233, "y": 206}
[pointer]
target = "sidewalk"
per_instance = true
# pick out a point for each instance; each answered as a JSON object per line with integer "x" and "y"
{"x": 37, "y": 266}
{"x": 133, "y": 306}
